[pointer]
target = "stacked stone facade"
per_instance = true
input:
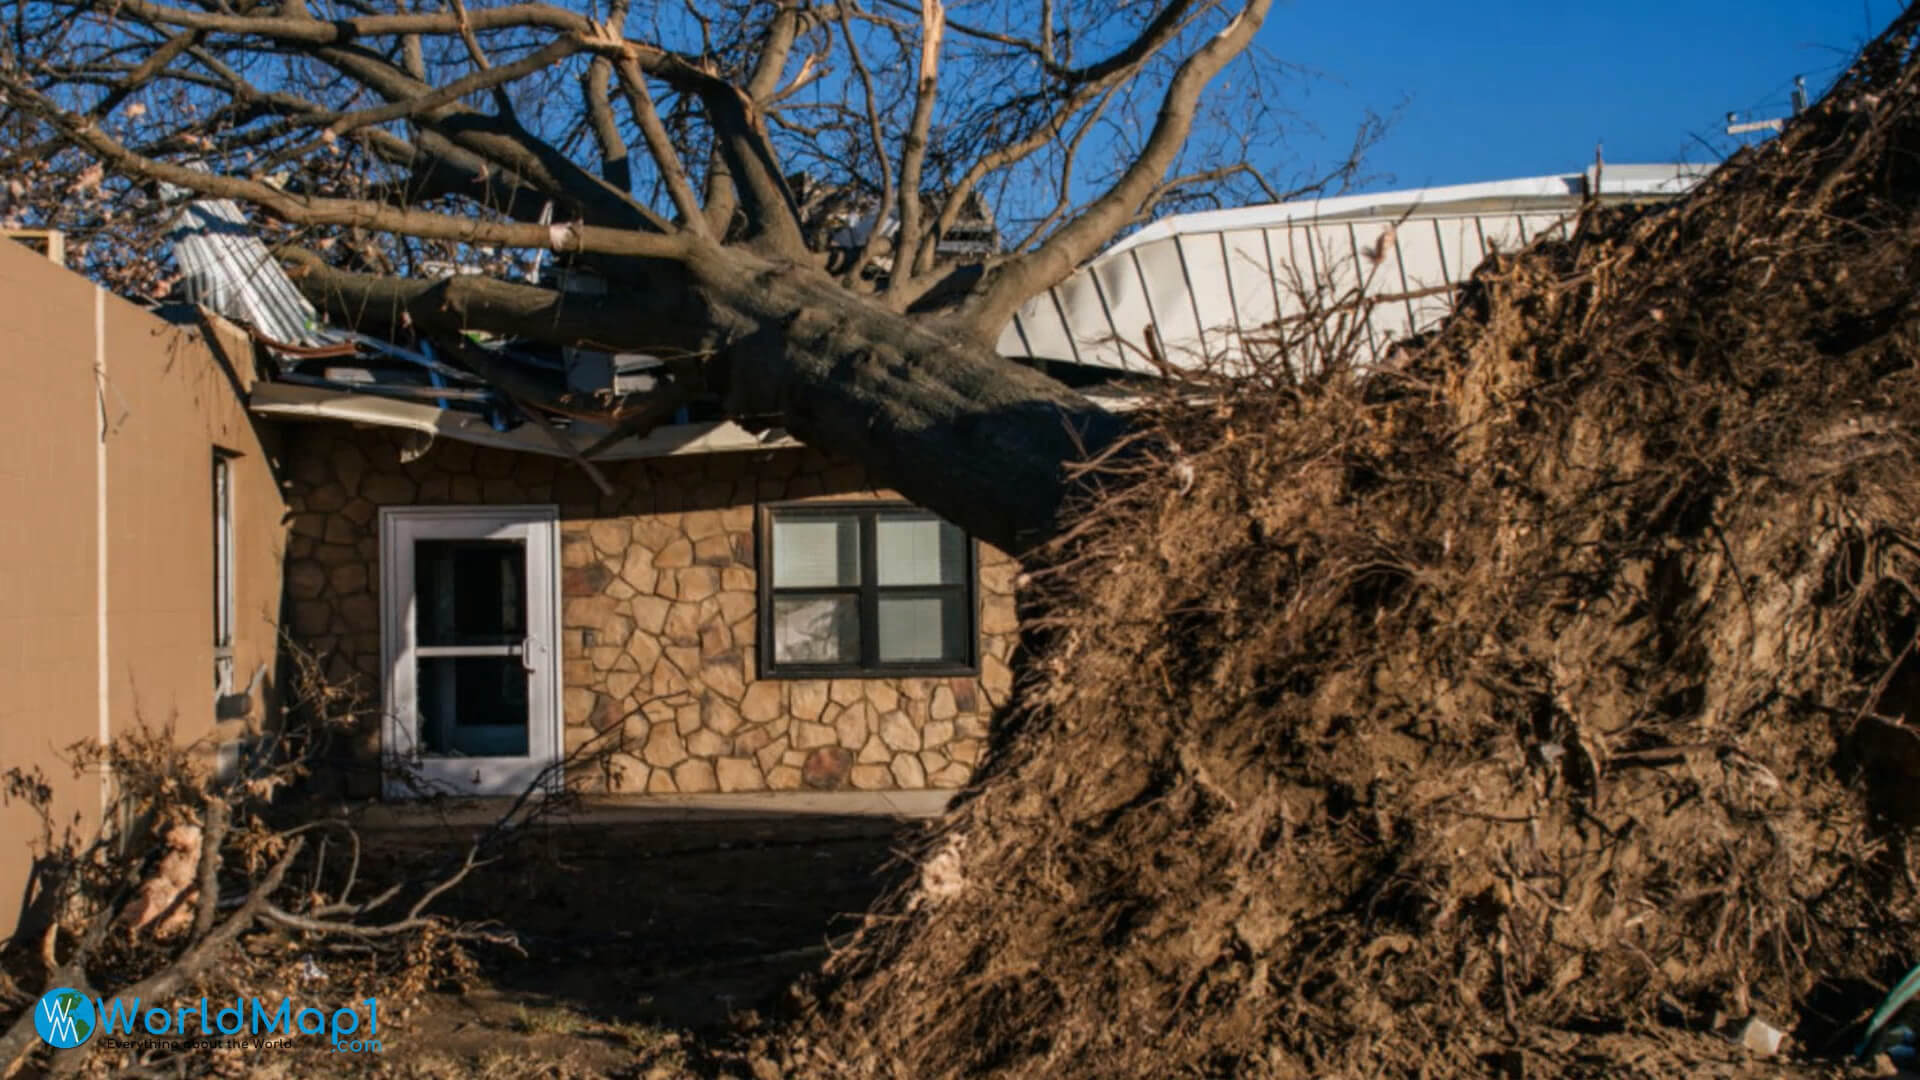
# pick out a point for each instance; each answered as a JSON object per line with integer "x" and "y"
{"x": 659, "y": 609}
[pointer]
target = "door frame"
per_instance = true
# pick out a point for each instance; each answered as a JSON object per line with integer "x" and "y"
{"x": 399, "y": 734}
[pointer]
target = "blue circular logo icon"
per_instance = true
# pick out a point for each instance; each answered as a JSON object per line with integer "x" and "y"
{"x": 64, "y": 1018}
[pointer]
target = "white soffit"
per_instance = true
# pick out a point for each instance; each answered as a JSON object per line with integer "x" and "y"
{"x": 1201, "y": 281}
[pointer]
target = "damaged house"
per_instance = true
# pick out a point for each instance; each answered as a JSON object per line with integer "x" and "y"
{"x": 508, "y": 551}
{"x": 514, "y": 554}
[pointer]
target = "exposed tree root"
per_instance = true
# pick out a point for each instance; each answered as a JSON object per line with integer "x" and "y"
{"x": 1475, "y": 715}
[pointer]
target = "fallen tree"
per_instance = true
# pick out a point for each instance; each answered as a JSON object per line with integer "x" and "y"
{"x": 1534, "y": 706}
{"x": 856, "y": 305}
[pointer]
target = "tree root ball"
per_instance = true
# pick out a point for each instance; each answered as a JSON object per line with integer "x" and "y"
{"x": 1537, "y": 704}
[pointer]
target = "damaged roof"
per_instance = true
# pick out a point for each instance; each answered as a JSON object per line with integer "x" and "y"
{"x": 579, "y": 404}
{"x": 1183, "y": 291}
{"x": 1193, "y": 286}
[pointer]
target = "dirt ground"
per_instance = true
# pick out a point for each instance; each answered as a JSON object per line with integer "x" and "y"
{"x": 643, "y": 943}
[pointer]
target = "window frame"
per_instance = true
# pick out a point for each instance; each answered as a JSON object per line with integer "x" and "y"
{"x": 867, "y": 596}
{"x": 225, "y": 569}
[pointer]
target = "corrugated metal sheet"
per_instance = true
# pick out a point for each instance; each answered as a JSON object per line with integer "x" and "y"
{"x": 1201, "y": 282}
{"x": 224, "y": 266}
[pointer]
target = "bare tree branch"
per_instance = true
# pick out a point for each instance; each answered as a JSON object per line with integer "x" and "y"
{"x": 190, "y": 963}
{"x": 1064, "y": 202}
{"x": 673, "y": 172}
{"x": 1012, "y": 282}
{"x": 213, "y": 836}
{"x": 155, "y": 63}
{"x": 312, "y": 210}
{"x": 594, "y": 200}
{"x": 1164, "y": 23}
{"x": 1085, "y": 92}
{"x": 472, "y": 302}
{"x": 871, "y": 243}
{"x": 913, "y": 152}
{"x": 615, "y": 167}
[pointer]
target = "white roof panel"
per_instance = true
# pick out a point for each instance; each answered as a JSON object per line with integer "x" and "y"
{"x": 1202, "y": 282}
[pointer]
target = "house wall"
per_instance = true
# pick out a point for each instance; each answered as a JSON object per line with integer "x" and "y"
{"x": 96, "y": 638}
{"x": 658, "y": 613}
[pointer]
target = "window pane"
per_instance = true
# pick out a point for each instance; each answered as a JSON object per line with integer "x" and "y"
{"x": 470, "y": 592}
{"x": 923, "y": 628}
{"x": 473, "y": 706}
{"x": 222, "y": 552}
{"x": 918, "y": 549}
{"x": 223, "y": 605}
{"x": 816, "y": 630}
{"x": 812, "y": 552}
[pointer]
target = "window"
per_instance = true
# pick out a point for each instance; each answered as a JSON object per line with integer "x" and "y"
{"x": 877, "y": 590}
{"x": 470, "y": 632}
{"x": 222, "y": 572}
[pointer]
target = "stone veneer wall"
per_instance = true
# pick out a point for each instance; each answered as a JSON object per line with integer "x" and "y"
{"x": 658, "y": 615}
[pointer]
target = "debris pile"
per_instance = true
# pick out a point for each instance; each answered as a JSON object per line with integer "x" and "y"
{"x": 1540, "y": 706}
{"x": 601, "y": 396}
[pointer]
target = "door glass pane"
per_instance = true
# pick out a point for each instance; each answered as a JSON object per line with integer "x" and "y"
{"x": 918, "y": 549}
{"x": 815, "y": 629}
{"x": 814, "y": 552}
{"x": 470, "y": 592}
{"x": 473, "y": 706}
{"x": 923, "y": 628}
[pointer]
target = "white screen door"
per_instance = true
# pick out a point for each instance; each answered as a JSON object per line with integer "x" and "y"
{"x": 469, "y": 599}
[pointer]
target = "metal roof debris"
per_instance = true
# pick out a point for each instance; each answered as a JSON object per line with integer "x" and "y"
{"x": 224, "y": 266}
{"x": 1199, "y": 284}
{"x": 516, "y": 395}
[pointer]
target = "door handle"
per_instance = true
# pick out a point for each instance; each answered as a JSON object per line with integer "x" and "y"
{"x": 526, "y": 655}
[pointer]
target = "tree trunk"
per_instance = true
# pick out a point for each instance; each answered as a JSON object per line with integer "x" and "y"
{"x": 923, "y": 402}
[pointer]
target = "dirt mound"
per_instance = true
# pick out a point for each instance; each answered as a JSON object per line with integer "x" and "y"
{"x": 1476, "y": 715}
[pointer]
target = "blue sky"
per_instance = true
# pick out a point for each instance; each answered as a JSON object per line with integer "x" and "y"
{"x": 1498, "y": 89}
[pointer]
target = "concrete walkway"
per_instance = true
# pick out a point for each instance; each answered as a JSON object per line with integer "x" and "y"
{"x": 659, "y": 809}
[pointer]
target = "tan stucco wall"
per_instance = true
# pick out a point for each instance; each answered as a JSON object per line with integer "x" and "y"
{"x": 658, "y": 597}
{"x": 168, "y": 401}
